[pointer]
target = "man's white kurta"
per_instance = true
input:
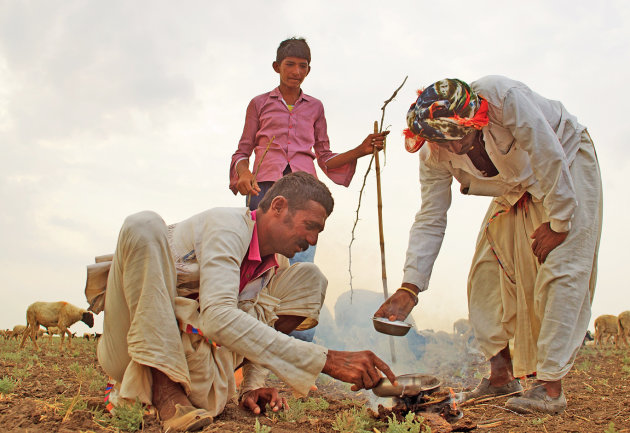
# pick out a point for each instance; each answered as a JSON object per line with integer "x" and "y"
{"x": 540, "y": 148}
{"x": 148, "y": 318}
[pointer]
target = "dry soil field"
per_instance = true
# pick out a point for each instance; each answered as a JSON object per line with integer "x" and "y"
{"x": 51, "y": 392}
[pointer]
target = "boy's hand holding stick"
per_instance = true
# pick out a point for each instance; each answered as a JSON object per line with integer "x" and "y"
{"x": 249, "y": 196}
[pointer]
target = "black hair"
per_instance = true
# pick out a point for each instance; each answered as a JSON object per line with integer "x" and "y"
{"x": 293, "y": 47}
{"x": 298, "y": 188}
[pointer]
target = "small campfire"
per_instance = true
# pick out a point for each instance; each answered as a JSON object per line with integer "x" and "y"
{"x": 439, "y": 408}
{"x": 443, "y": 403}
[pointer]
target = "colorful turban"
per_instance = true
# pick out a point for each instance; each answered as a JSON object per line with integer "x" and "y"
{"x": 446, "y": 110}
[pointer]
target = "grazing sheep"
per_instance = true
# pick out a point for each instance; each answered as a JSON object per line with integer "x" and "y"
{"x": 60, "y": 314}
{"x": 52, "y": 330}
{"x": 623, "y": 322}
{"x": 17, "y": 331}
{"x": 587, "y": 337}
{"x": 606, "y": 327}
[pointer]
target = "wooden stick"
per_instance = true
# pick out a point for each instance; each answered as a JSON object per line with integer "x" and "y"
{"x": 381, "y": 236}
{"x": 377, "y": 168}
{"x": 249, "y": 196}
{"x": 356, "y": 220}
{"x": 383, "y": 115}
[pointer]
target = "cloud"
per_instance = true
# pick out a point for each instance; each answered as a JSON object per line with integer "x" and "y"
{"x": 108, "y": 109}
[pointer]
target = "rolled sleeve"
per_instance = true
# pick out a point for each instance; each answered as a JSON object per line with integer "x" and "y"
{"x": 341, "y": 175}
{"x": 427, "y": 232}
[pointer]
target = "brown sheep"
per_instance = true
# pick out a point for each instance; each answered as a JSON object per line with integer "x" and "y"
{"x": 17, "y": 331}
{"x": 60, "y": 314}
{"x": 623, "y": 322}
{"x": 52, "y": 330}
{"x": 605, "y": 327}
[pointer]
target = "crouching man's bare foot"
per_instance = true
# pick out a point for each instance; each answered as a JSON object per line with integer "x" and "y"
{"x": 173, "y": 406}
{"x": 166, "y": 394}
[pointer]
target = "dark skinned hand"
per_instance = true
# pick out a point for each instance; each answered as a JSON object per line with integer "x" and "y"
{"x": 545, "y": 240}
{"x": 257, "y": 399}
{"x": 359, "y": 368}
{"x": 371, "y": 142}
{"x": 397, "y": 307}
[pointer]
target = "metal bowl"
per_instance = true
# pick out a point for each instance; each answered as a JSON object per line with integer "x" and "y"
{"x": 407, "y": 385}
{"x": 385, "y": 326}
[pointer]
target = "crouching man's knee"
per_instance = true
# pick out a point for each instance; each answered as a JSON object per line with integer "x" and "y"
{"x": 301, "y": 290}
{"x": 146, "y": 225}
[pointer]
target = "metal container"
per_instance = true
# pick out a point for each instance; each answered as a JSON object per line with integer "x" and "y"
{"x": 385, "y": 326}
{"x": 407, "y": 385}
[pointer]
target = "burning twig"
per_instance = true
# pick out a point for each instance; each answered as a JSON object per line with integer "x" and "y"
{"x": 356, "y": 221}
{"x": 432, "y": 402}
{"x": 249, "y": 196}
{"x": 453, "y": 399}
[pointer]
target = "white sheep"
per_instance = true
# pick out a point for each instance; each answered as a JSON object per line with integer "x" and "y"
{"x": 623, "y": 322}
{"x": 59, "y": 314}
{"x": 606, "y": 327}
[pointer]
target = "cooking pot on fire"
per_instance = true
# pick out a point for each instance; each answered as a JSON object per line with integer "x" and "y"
{"x": 407, "y": 385}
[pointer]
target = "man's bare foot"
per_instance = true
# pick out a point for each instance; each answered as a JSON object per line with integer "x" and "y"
{"x": 166, "y": 394}
{"x": 553, "y": 388}
{"x": 501, "y": 368}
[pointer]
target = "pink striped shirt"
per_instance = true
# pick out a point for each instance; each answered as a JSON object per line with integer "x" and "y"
{"x": 253, "y": 265}
{"x": 300, "y": 137}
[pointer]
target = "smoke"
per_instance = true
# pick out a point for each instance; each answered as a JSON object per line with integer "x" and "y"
{"x": 451, "y": 357}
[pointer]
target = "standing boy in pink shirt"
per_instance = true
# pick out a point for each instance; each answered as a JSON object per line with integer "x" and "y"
{"x": 297, "y": 123}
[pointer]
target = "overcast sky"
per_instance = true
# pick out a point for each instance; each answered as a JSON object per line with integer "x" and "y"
{"x": 109, "y": 108}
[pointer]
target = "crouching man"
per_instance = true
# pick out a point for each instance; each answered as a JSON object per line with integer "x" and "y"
{"x": 189, "y": 303}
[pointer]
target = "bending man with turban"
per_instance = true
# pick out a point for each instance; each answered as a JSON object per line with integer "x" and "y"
{"x": 534, "y": 268}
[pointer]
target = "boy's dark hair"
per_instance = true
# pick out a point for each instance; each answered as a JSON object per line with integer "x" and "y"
{"x": 293, "y": 47}
{"x": 298, "y": 188}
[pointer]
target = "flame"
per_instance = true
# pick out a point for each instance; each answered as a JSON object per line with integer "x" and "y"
{"x": 453, "y": 400}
